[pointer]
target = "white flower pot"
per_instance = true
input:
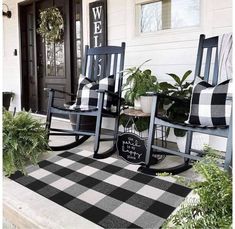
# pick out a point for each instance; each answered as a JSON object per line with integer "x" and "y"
{"x": 137, "y": 104}
{"x": 146, "y": 103}
{"x": 198, "y": 142}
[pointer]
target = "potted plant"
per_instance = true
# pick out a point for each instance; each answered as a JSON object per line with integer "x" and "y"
{"x": 24, "y": 140}
{"x": 178, "y": 112}
{"x": 7, "y": 98}
{"x": 137, "y": 84}
{"x": 180, "y": 89}
{"x": 211, "y": 203}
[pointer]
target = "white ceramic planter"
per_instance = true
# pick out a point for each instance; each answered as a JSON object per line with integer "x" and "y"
{"x": 137, "y": 104}
{"x": 146, "y": 103}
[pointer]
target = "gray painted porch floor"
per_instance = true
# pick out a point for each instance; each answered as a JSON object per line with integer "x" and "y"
{"x": 23, "y": 208}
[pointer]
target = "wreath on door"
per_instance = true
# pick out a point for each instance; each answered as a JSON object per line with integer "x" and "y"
{"x": 51, "y": 25}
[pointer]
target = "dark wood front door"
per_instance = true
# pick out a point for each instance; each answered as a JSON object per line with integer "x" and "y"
{"x": 53, "y": 60}
{"x": 43, "y": 65}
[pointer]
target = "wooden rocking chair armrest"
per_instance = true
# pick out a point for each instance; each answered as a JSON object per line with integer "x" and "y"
{"x": 56, "y": 90}
{"x": 164, "y": 96}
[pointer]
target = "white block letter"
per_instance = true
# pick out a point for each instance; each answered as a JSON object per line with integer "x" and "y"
{"x": 97, "y": 12}
{"x": 97, "y": 27}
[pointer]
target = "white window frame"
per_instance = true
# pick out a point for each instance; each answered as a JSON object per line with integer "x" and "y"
{"x": 138, "y": 32}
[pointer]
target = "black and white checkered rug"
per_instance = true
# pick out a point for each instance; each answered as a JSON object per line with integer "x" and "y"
{"x": 108, "y": 192}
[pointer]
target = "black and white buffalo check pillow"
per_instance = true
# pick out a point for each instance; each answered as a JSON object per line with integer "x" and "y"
{"x": 87, "y": 96}
{"x": 210, "y": 105}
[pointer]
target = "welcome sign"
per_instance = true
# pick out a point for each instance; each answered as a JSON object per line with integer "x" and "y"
{"x": 98, "y": 23}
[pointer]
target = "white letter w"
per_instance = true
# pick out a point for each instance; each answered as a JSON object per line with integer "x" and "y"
{"x": 97, "y": 12}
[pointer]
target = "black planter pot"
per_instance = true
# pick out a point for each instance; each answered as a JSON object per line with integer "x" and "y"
{"x": 7, "y": 96}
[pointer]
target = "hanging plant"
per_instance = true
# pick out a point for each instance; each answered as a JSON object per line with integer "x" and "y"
{"x": 51, "y": 25}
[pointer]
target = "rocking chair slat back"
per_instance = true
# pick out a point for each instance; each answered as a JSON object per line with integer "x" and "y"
{"x": 104, "y": 61}
{"x": 208, "y": 64}
{"x": 102, "y": 64}
{"x": 216, "y": 69}
{"x": 108, "y": 64}
{"x": 208, "y": 47}
{"x": 115, "y": 62}
{"x": 96, "y": 67}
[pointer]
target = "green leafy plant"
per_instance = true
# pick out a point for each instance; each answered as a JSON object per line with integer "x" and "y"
{"x": 24, "y": 140}
{"x": 51, "y": 25}
{"x": 213, "y": 209}
{"x": 139, "y": 82}
{"x": 181, "y": 89}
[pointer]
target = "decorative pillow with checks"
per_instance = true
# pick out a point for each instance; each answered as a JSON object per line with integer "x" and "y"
{"x": 87, "y": 96}
{"x": 210, "y": 105}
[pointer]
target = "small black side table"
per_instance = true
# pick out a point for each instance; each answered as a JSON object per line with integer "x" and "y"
{"x": 131, "y": 144}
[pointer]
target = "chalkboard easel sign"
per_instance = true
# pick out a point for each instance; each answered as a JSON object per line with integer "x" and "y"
{"x": 131, "y": 148}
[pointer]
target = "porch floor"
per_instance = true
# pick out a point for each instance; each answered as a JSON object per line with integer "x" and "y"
{"x": 23, "y": 208}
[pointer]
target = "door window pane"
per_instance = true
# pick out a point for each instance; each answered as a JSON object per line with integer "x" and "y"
{"x": 79, "y": 66}
{"x": 78, "y": 48}
{"x": 167, "y": 14}
{"x": 78, "y": 30}
{"x": 78, "y": 36}
{"x": 55, "y": 59}
{"x": 59, "y": 57}
{"x": 50, "y": 60}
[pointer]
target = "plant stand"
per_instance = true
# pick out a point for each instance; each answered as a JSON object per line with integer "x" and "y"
{"x": 131, "y": 144}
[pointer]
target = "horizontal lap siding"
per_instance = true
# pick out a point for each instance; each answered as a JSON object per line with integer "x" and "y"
{"x": 169, "y": 51}
{"x": 11, "y": 64}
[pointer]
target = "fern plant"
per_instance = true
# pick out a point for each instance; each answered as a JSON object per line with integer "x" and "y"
{"x": 214, "y": 206}
{"x": 24, "y": 140}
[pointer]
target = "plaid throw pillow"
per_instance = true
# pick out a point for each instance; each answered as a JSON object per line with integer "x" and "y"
{"x": 87, "y": 97}
{"x": 210, "y": 105}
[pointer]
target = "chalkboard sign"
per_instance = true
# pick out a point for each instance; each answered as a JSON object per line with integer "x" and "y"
{"x": 131, "y": 148}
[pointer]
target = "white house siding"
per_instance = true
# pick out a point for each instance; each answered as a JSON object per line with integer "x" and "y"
{"x": 11, "y": 64}
{"x": 169, "y": 50}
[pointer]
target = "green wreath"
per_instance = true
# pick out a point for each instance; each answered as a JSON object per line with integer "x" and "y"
{"x": 51, "y": 25}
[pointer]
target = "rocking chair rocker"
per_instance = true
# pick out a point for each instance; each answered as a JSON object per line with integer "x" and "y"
{"x": 99, "y": 64}
{"x": 221, "y": 131}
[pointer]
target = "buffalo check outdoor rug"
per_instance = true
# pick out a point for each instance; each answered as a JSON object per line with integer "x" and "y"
{"x": 109, "y": 192}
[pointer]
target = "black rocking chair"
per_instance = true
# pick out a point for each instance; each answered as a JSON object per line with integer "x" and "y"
{"x": 222, "y": 131}
{"x": 98, "y": 63}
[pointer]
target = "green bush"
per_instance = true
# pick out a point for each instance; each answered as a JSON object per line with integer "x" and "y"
{"x": 214, "y": 207}
{"x": 24, "y": 140}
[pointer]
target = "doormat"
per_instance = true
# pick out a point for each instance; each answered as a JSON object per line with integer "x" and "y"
{"x": 108, "y": 192}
